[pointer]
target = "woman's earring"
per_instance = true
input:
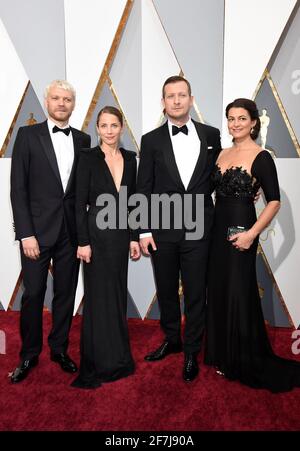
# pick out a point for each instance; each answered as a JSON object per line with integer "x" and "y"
{"x": 251, "y": 131}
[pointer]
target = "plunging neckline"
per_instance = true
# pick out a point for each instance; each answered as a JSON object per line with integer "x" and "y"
{"x": 111, "y": 176}
{"x": 240, "y": 167}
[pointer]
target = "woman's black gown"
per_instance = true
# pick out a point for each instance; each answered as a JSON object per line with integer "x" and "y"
{"x": 105, "y": 348}
{"x": 236, "y": 341}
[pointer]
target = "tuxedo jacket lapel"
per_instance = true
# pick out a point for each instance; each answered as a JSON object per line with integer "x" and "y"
{"x": 202, "y": 159}
{"x": 49, "y": 150}
{"x": 169, "y": 156}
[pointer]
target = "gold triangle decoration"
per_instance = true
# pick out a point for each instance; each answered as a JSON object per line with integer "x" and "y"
{"x": 104, "y": 77}
{"x": 154, "y": 299}
{"x": 276, "y": 288}
{"x": 109, "y": 60}
{"x": 12, "y": 125}
{"x": 112, "y": 89}
{"x": 181, "y": 73}
{"x": 266, "y": 76}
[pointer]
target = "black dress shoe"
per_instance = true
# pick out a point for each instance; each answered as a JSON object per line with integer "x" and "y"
{"x": 165, "y": 349}
{"x": 22, "y": 371}
{"x": 64, "y": 361}
{"x": 190, "y": 368}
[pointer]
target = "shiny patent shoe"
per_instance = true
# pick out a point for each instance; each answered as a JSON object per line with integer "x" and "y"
{"x": 163, "y": 351}
{"x": 22, "y": 371}
{"x": 65, "y": 362}
{"x": 190, "y": 368}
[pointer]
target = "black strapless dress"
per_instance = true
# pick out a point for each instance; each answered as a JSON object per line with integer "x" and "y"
{"x": 236, "y": 339}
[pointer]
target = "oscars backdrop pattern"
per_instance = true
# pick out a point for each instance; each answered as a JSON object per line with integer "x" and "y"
{"x": 119, "y": 53}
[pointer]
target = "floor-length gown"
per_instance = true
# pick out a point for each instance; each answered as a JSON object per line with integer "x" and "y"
{"x": 105, "y": 348}
{"x": 236, "y": 342}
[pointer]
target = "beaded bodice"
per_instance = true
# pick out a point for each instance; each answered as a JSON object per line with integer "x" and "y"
{"x": 234, "y": 182}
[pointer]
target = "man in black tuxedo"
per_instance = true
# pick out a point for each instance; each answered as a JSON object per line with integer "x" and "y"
{"x": 178, "y": 158}
{"x": 43, "y": 198}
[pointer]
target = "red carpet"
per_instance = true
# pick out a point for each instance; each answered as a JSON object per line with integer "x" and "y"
{"x": 154, "y": 399}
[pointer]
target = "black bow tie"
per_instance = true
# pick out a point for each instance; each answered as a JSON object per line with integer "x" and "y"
{"x": 182, "y": 129}
{"x": 66, "y": 131}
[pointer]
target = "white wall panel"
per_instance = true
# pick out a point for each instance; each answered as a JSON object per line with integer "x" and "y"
{"x": 13, "y": 81}
{"x": 143, "y": 61}
{"x": 281, "y": 240}
{"x": 158, "y": 63}
{"x": 199, "y": 49}
{"x": 36, "y": 29}
{"x": 10, "y": 263}
{"x": 252, "y": 30}
{"x": 79, "y": 291}
{"x": 126, "y": 72}
{"x": 285, "y": 73}
{"x": 90, "y": 28}
{"x": 141, "y": 284}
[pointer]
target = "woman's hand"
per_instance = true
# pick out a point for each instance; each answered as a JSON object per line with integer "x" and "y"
{"x": 135, "y": 251}
{"x": 84, "y": 253}
{"x": 145, "y": 243}
{"x": 257, "y": 196}
{"x": 242, "y": 241}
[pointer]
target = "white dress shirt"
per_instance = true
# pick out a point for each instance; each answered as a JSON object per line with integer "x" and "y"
{"x": 186, "y": 150}
{"x": 64, "y": 151}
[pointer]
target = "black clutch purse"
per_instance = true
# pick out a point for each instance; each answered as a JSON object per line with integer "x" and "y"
{"x": 233, "y": 230}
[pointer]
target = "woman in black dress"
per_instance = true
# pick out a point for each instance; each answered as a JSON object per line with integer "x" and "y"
{"x": 237, "y": 343}
{"x": 105, "y": 170}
